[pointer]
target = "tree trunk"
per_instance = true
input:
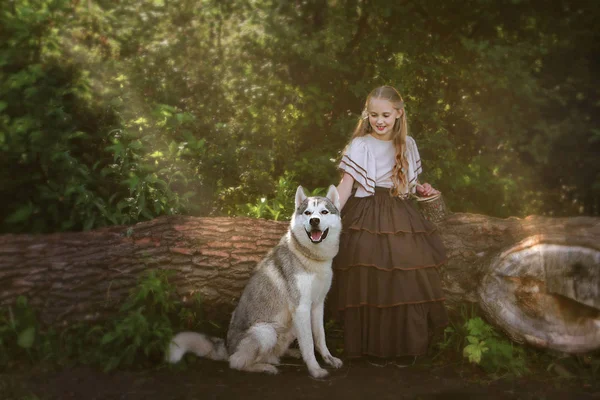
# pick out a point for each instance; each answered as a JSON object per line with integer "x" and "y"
{"x": 85, "y": 276}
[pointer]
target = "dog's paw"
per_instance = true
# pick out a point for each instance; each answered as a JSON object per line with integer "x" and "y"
{"x": 318, "y": 373}
{"x": 273, "y": 360}
{"x": 269, "y": 369}
{"x": 262, "y": 367}
{"x": 333, "y": 361}
{"x": 294, "y": 353}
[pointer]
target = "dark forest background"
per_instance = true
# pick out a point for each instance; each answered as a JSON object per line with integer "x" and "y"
{"x": 112, "y": 112}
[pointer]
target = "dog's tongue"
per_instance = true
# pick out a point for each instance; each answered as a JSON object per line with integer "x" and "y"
{"x": 316, "y": 235}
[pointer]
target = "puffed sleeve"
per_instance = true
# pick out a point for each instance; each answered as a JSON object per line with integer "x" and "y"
{"x": 359, "y": 163}
{"x": 414, "y": 162}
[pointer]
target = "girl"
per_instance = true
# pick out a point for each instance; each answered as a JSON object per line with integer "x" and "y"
{"x": 386, "y": 287}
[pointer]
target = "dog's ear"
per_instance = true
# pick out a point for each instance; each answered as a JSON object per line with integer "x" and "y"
{"x": 300, "y": 196}
{"x": 334, "y": 196}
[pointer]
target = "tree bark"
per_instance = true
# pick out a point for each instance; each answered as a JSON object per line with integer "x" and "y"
{"x": 86, "y": 275}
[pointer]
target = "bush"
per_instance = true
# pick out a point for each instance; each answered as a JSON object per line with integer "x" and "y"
{"x": 138, "y": 334}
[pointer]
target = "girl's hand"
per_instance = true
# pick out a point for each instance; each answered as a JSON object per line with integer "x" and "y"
{"x": 426, "y": 190}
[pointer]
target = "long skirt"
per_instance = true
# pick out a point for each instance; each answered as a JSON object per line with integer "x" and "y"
{"x": 386, "y": 287}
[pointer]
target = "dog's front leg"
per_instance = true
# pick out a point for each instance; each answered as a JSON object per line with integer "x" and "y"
{"x": 318, "y": 331}
{"x": 305, "y": 341}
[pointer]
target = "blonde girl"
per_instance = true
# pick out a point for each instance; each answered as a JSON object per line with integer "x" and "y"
{"x": 386, "y": 287}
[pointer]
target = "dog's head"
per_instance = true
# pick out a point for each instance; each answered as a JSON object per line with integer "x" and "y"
{"x": 317, "y": 222}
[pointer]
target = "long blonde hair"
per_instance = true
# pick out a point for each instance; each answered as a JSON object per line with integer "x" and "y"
{"x": 399, "y": 133}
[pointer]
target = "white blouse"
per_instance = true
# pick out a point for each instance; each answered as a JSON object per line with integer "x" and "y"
{"x": 370, "y": 162}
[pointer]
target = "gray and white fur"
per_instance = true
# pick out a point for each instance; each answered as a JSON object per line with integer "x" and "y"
{"x": 283, "y": 299}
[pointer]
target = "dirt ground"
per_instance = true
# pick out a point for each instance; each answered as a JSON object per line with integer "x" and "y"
{"x": 360, "y": 379}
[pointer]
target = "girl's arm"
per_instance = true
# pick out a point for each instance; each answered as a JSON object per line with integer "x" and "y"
{"x": 345, "y": 189}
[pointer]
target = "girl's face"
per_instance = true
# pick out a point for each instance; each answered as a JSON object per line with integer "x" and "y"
{"x": 382, "y": 116}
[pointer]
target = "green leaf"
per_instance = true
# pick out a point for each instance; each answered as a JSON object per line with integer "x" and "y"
{"x": 26, "y": 338}
{"x": 22, "y": 301}
{"x": 472, "y": 340}
{"x": 449, "y": 329}
{"x": 187, "y": 195}
{"x": 136, "y": 145}
{"x": 173, "y": 147}
{"x": 161, "y": 183}
{"x": 147, "y": 214}
{"x": 141, "y": 202}
{"x": 89, "y": 223}
{"x": 473, "y": 353}
{"x": 133, "y": 181}
{"x": 22, "y": 214}
{"x": 108, "y": 337}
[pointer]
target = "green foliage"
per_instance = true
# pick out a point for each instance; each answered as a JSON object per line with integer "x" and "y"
{"x": 474, "y": 351}
{"x": 78, "y": 151}
{"x": 495, "y": 353}
{"x": 138, "y": 334}
{"x": 281, "y": 207}
{"x": 18, "y": 328}
{"x": 118, "y": 112}
{"x": 153, "y": 170}
{"x": 481, "y": 344}
{"x": 143, "y": 324}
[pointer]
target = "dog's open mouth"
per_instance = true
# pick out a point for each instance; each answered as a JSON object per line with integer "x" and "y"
{"x": 317, "y": 236}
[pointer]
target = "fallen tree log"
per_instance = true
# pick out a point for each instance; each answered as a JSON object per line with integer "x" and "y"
{"x": 536, "y": 278}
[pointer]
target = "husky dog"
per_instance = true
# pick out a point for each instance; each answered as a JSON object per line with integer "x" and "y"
{"x": 283, "y": 299}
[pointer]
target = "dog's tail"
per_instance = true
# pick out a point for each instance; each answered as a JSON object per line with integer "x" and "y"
{"x": 197, "y": 343}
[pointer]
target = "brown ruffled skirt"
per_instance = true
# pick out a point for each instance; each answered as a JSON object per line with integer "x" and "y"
{"x": 386, "y": 287}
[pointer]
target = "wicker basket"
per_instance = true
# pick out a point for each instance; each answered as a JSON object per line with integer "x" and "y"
{"x": 433, "y": 207}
